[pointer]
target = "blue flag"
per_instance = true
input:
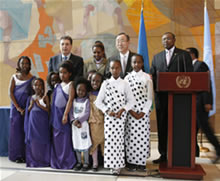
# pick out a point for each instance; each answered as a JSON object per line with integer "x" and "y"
{"x": 142, "y": 43}
{"x": 207, "y": 56}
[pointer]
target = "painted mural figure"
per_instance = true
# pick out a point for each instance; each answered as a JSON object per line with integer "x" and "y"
{"x": 111, "y": 7}
{"x": 13, "y": 24}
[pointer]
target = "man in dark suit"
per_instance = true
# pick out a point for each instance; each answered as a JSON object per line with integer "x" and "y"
{"x": 203, "y": 105}
{"x": 124, "y": 55}
{"x": 172, "y": 59}
{"x": 65, "y": 48}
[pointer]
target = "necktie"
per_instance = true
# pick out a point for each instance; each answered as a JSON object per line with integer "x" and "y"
{"x": 65, "y": 58}
{"x": 168, "y": 56}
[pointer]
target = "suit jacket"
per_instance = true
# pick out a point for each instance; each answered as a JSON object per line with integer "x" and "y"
{"x": 91, "y": 65}
{"x": 180, "y": 62}
{"x": 117, "y": 57}
{"x": 203, "y": 97}
{"x": 76, "y": 61}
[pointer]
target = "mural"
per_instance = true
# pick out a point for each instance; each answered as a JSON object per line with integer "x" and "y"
{"x": 33, "y": 28}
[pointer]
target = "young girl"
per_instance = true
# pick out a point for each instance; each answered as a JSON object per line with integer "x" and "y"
{"x": 52, "y": 79}
{"x": 96, "y": 120}
{"x": 138, "y": 125}
{"x": 62, "y": 154}
{"x": 37, "y": 131}
{"x": 115, "y": 99}
{"x": 80, "y": 127}
{"x": 19, "y": 91}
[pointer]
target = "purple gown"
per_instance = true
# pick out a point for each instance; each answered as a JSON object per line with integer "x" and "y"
{"x": 16, "y": 147}
{"x": 62, "y": 153}
{"x": 37, "y": 136}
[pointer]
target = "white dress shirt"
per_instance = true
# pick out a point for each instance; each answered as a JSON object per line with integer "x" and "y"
{"x": 169, "y": 54}
{"x": 124, "y": 60}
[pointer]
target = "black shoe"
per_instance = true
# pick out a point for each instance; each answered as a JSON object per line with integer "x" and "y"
{"x": 78, "y": 167}
{"x": 160, "y": 160}
{"x": 95, "y": 168}
{"x": 216, "y": 160}
{"x": 20, "y": 160}
{"x": 141, "y": 168}
{"x": 131, "y": 167}
{"x": 85, "y": 167}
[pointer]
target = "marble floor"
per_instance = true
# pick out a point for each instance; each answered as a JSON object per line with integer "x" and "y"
{"x": 10, "y": 171}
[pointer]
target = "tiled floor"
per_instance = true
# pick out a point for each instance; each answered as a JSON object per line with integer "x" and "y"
{"x": 10, "y": 171}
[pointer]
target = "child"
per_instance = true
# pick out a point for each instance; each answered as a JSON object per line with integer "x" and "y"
{"x": 115, "y": 99}
{"x": 96, "y": 120}
{"x": 52, "y": 79}
{"x": 138, "y": 125}
{"x": 62, "y": 154}
{"x": 37, "y": 131}
{"x": 90, "y": 74}
{"x": 19, "y": 91}
{"x": 80, "y": 127}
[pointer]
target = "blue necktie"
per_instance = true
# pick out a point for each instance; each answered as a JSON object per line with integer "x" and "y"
{"x": 65, "y": 58}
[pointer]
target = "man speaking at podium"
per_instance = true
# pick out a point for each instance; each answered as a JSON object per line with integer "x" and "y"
{"x": 171, "y": 59}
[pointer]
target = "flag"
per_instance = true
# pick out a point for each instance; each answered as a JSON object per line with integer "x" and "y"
{"x": 207, "y": 56}
{"x": 142, "y": 43}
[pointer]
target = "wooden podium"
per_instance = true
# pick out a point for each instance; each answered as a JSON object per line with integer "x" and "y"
{"x": 182, "y": 88}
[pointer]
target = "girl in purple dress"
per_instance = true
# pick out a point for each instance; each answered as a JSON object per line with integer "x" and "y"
{"x": 52, "y": 79}
{"x": 62, "y": 153}
{"x": 19, "y": 91}
{"x": 37, "y": 131}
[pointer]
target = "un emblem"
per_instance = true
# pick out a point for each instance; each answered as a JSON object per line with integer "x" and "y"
{"x": 183, "y": 81}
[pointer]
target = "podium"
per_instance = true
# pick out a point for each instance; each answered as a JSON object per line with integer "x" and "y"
{"x": 182, "y": 88}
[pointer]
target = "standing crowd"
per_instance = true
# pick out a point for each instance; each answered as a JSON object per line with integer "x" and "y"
{"x": 99, "y": 106}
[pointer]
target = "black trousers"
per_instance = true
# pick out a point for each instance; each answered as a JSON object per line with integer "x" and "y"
{"x": 162, "y": 124}
{"x": 203, "y": 123}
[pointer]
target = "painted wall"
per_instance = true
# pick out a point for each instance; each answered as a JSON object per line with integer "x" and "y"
{"x": 33, "y": 28}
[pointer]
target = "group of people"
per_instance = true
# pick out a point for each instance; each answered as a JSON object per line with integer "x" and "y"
{"x": 99, "y": 104}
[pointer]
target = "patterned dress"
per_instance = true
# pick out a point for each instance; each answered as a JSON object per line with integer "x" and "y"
{"x": 113, "y": 96}
{"x": 137, "y": 136}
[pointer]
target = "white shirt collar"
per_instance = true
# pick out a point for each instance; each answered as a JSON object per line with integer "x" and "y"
{"x": 194, "y": 61}
{"x": 170, "y": 50}
{"x": 68, "y": 56}
{"x": 126, "y": 54}
{"x": 113, "y": 79}
{"x": 137, "y": 73}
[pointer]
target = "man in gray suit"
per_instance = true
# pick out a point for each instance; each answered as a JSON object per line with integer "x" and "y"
{"x": 171, "y": 59}
{"x": 124, "y": 55}
{"x": 65, "y": 48}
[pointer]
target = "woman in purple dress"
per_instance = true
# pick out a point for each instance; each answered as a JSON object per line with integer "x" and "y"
{"x": 62, "y": 153}
{"x": 19, "y": 91}
{"x": 37, "y": 131}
